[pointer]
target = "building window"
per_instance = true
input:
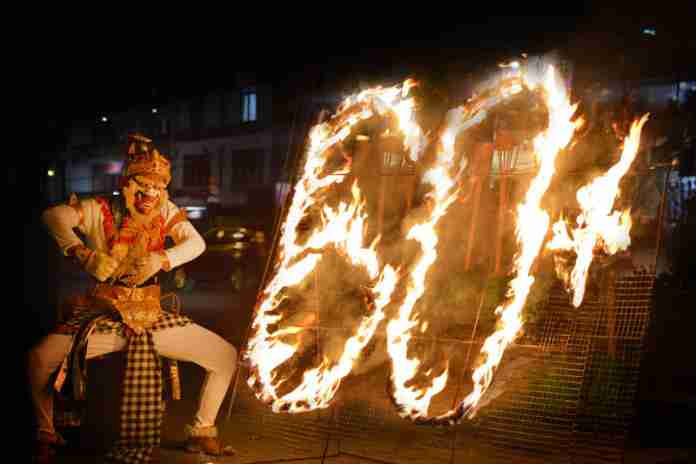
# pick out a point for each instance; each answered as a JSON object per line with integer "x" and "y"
{"x": 196, "y": 171}
{"x": 248, "y": 106}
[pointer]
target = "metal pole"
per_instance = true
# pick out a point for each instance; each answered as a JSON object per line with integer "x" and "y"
{"x": 280, "y": 215}
{"x": 502, "y": 205}
{"x": 481, "y": 164}
{"x": 660, "y": 216}
{"x": 477, "y": 181}
{"x": 380, "y": 205}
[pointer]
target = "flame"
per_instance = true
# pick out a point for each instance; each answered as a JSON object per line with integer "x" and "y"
{"x": 532, "y": 224}
{"x": 342, "y": 227}
{"x": 597, "y": 224}
{"x": 414, "y": 402}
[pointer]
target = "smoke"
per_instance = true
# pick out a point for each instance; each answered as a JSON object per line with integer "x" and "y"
{"x": 333, "y": 298}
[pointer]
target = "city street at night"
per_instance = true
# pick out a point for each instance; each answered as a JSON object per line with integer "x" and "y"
{"x": 425, "y": 238}
{"x": 360, "y": 428}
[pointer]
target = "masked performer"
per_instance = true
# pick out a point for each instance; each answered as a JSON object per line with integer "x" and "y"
{"x": 124, "y": 250}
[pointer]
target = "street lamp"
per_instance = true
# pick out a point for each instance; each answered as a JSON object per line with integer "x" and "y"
{"x": 51, "y": 173}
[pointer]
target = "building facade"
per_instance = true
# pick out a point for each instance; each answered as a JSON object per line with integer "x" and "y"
{"x": 228, "y": 148}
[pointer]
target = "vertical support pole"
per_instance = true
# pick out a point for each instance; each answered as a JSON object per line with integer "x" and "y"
{"x": 477, "y": 185}
{"x": 502, "y": 208}
{"x": 380, "y": 204}
{"x": 317, "y": 309}
{"x": 409, "y": 179}
{"x": 609, "y": 300}
{"x": 660, "y": 217}
{"x": 482, "y": 161}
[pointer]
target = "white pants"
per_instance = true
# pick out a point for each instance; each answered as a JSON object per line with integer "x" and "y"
{"x": 190, "y": 343}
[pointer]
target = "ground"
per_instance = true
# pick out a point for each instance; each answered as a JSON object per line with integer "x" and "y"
{"x": 361, "y": 428}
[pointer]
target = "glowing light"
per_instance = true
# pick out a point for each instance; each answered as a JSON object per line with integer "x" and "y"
{"x": 598, "y": 224}
{"x": 532, "y": 224}
{"x": 343, "y": 228}
{"x": 413, "y": 402}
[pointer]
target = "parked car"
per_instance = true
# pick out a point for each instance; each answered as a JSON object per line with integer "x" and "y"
{"x": 233, "y": 254}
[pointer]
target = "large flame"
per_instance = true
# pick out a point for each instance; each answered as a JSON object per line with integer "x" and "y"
{"x": 532, "y": 225}
{"x": 598, "y": 224}
{"x": 344, "y": 228}
{"x": 413, "y": 402}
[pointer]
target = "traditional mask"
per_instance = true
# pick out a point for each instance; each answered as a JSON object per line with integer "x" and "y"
{"x": 144, "y": 195}
{"x": 148, "y": 174}
{"x": 148, "y": 192}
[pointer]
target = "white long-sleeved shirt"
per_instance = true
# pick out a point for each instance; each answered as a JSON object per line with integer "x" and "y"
{"x": 61, "y": 221}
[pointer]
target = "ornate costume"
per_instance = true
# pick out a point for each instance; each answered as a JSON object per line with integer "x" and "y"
{"x": 124, "y": 251}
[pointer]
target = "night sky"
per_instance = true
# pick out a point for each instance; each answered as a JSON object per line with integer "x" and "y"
{"x": 80, "y": 72}
{"x": 83, "y": 69}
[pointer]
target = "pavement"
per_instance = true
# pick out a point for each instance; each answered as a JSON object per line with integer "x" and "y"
{"x": 354, "y": 431}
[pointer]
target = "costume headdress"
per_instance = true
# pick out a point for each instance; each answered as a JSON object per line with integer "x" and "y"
{"x": 143, "y": 158}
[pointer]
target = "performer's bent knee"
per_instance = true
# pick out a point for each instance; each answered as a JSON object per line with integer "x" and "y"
{"x": 226, "y": 359}
{"x": 202, "y": 346}
{"x": 49, "y": 352}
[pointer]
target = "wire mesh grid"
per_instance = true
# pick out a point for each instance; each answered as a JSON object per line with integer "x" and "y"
{"x": 569, "y": 386}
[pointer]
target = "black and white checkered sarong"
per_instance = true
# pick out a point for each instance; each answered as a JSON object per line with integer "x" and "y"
{"x": 142, "y": 406}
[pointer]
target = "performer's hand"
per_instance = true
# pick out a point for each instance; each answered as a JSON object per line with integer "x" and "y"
{"x": 100, "y": 265}
{"x": 145, "y": 268}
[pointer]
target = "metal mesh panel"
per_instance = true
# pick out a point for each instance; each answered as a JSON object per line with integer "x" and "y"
{"x": 276, "y": 436}
{"x": 572, "y": 401}
{"x": 613, "y": 366}
{"x": 577, "y": 400}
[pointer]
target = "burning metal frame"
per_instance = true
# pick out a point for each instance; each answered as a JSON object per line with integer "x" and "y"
{"x": 568, "y": 397}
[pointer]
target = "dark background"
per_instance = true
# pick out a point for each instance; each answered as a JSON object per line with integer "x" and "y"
{"x": 71, "y": 67}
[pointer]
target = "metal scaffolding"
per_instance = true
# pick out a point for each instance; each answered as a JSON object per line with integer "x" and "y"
{"x": 573, "y": 401}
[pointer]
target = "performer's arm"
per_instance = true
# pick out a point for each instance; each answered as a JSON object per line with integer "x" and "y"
{"x": 188, "y": 242}
{"x": 61, "y": 220}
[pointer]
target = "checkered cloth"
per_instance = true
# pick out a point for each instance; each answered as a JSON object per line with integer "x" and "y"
{"x": 142, "y": 405}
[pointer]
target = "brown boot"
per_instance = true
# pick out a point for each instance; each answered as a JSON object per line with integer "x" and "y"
{"x": 205, "y": 440}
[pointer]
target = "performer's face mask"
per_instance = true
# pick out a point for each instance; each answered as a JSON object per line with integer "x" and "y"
{"x": 148, "y": 192}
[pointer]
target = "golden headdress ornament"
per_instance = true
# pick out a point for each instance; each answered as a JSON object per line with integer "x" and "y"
{"x": 143, "y": 158}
